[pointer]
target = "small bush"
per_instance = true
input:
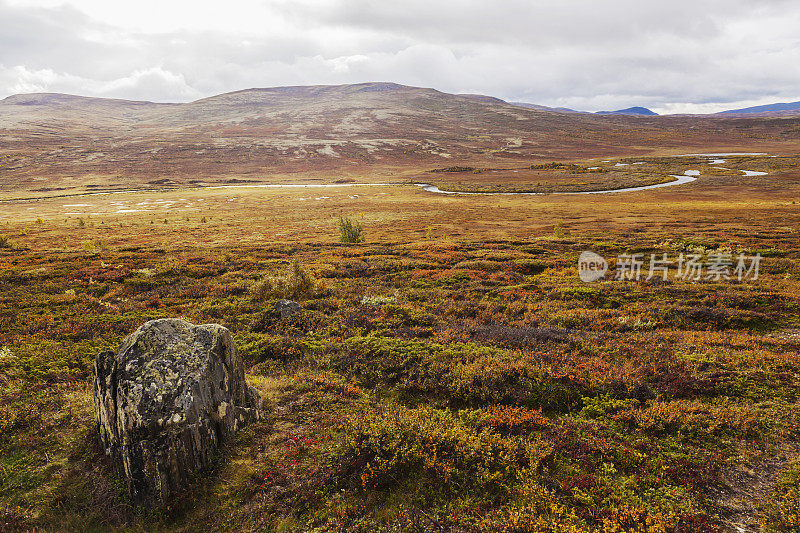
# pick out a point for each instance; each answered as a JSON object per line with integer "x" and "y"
{"x": 479, "y": 264}
{"x": 603, "y": 405}
{"x": 5, "y": 242}
{"x": 256, "y": 348}
{"x": 530, "y": 267}
{"x": 506, "y": 420}
{"x": 295, "y": 284}
{"x": 691, "y": 417}
{"x": 378, "y": 300}
{"x": 93, "y": 245}
{"x": 349, "y": 231}
{"x": 400, "y": 443}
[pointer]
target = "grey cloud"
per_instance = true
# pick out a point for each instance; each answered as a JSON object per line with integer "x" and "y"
{"x": 543, "y": 23}
{"x": 61, "y": 39}
{"x": 576, "y": 53}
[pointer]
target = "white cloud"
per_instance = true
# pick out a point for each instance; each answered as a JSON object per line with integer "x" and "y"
{"x": 679, "y": 56}
{"x": 142, "y": 84}
{"x": 139, "y": 85}
{"x": 19, "y": 79}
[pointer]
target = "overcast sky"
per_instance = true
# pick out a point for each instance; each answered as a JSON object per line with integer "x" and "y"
{"x": 671, "y": 56}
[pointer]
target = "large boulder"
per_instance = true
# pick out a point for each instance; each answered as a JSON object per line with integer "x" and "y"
{"x": 166, "y": 400}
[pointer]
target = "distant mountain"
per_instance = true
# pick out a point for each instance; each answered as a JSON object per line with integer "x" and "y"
{"x": 769, "y": 108}
{"x": 545, "y": 108}
{"x": 630, "y": 111}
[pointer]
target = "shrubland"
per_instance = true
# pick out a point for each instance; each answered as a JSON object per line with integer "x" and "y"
{"x": 434, "y": 381}
{"x": 487, "y": 390}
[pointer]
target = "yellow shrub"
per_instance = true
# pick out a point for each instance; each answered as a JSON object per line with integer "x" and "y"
{"x": 296, "y": 283}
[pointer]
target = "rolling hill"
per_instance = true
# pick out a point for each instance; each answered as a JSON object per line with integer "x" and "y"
{"x": 368, "y": 131}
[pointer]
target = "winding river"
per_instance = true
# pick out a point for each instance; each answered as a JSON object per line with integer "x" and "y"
{"x": 687, "y": 177}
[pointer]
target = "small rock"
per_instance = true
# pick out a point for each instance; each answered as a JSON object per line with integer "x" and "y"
{"x": 162, "y": 403}
{"x": 287, "y": 307}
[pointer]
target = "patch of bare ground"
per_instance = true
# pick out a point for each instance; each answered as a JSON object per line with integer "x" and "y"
{"x": 746, "y": 487}
{"x": 789, "y": 334}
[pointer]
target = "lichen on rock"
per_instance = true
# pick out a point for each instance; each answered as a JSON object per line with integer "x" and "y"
{"x": 166, "y": 400}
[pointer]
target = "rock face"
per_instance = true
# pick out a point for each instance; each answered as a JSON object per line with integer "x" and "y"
{"x": 166, "y": 400}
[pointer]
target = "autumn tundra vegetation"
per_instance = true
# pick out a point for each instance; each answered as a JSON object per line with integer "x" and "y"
{"x": 448, "y": 369}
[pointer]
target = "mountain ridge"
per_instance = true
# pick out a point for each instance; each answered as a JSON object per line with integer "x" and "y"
{"x": 368, "y": 131}
{"x": 263, "y": 95}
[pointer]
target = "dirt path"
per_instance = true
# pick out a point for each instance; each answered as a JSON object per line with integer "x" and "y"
{"x": 747, "y": 488}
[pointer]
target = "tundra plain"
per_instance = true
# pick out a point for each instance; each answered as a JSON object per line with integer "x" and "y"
{"x": 449, "y": 373}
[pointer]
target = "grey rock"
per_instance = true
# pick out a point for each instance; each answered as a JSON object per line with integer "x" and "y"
{"x": 166, "y": 400}
{"x": 287, "y": 307}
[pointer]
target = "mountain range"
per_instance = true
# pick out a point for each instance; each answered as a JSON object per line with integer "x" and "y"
{"x": 780, "y": 109}
{"x": 643, "y": 111}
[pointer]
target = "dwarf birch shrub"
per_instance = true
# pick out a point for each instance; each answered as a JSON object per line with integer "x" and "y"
{"x": 296, "y": 283}
{"x": 349, "y": 231}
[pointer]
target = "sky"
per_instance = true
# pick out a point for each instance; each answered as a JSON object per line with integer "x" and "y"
{"x": 676, "y": 56}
